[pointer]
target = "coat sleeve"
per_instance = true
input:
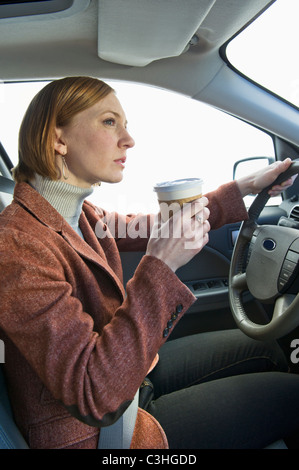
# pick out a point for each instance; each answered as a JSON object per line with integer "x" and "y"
{"x": 226, "y": 205}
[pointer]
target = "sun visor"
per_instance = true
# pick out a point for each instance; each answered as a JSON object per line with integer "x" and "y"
{"x": 137, "y": 32}
{"x": 20, "y": 11}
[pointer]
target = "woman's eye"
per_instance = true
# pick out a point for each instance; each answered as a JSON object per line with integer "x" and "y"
{"x": 109, "y": 122}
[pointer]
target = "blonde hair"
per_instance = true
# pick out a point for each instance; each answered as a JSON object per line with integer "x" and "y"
{"x": 53, "y": 106}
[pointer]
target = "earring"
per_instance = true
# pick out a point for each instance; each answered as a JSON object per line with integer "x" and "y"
{"x": 64, "y": 168}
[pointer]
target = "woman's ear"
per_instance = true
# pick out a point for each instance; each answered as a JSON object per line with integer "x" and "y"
{"x": 59, "y": 144}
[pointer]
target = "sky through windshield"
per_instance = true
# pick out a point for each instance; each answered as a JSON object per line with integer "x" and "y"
{"x": 267, "y": 51}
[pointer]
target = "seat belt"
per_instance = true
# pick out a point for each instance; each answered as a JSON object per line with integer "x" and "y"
{"x": 119, "y": 435}
{"x": 6, "y": 185}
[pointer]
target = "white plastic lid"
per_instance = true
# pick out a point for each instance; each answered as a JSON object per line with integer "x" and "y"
{"x": 178, "y": 189}
{"x": 180, "y": 185}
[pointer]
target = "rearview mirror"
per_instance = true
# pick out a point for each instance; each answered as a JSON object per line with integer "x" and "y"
{"x": 250, "y": 165}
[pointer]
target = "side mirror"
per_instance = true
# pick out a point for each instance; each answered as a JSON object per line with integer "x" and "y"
{"x": 249, "y": 165}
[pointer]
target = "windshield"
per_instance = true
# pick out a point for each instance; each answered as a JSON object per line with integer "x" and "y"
{"x": 267, "y": 50}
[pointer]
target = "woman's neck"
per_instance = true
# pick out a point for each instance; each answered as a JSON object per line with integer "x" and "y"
{"x": 65, "y": 198}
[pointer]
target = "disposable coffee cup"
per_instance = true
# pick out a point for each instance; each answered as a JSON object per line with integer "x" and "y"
{"x": 172, "y": 195}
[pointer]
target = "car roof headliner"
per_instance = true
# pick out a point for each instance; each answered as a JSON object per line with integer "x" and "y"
{"x": 133, "y": 40}
{"x": 89, "y": 37}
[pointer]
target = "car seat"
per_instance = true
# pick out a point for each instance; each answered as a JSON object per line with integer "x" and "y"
{"x": 10, "y": 436}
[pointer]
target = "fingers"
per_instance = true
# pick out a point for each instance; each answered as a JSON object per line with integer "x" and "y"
{"x": 196, "y": 236}
{"x": 198, "y": 205}
{"x": 201, "y": 212}
{"x": 279, "y": 168}
{"x": 277, "y": 189}
{"x": 192, "y": 214}
{"x": 190, "y": 222}
{"x": 270, "y": 175}
{"x": 196, "y": 228}
{"x": 182, "y": 236}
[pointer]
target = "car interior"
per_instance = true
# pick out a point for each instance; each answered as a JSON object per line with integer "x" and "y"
{"x": 182, "y": 48}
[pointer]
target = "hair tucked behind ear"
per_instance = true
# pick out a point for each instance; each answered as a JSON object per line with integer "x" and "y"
{"x": 55, "y": 105}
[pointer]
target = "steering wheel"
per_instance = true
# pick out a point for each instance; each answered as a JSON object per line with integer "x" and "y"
{"x": 265, "y": 263}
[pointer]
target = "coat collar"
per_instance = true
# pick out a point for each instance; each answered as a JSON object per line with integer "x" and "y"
{"x": 42, "y": 210}
{"x": 31, "y": 200}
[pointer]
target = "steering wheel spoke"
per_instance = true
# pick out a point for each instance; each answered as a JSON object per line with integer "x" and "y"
{"x": 239, "y": 282}
{"x": 282, "y": 304}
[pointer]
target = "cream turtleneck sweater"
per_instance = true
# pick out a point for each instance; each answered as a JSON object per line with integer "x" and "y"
{"x": 65, "y": 198}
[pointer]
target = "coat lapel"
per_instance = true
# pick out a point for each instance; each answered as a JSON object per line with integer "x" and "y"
{"x": 90, "y": 250}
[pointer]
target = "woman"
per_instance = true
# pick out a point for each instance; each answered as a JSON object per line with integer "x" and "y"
{"x": 78, "y": 348}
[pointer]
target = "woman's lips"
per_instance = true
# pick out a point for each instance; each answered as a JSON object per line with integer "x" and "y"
{"x": 121, "y": 161}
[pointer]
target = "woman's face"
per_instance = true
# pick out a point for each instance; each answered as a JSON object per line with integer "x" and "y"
{"x": 96, "y": 142}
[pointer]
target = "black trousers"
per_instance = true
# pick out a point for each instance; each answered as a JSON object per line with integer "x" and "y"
{"x": 223, "y": 390}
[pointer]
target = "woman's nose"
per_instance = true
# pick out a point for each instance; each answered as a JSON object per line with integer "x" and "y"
{"x": 126, "y": 140}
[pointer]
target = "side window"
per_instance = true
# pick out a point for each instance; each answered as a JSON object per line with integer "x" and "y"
{"x": 175, "y": 137}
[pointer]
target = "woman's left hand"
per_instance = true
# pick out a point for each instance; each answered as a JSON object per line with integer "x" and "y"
{"x": 256, "y": 182}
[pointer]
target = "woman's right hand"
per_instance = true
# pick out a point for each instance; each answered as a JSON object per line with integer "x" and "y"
{"x": 181, "y": 237}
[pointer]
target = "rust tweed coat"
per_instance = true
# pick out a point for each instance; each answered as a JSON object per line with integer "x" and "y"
{"x": 77, "y": 345}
